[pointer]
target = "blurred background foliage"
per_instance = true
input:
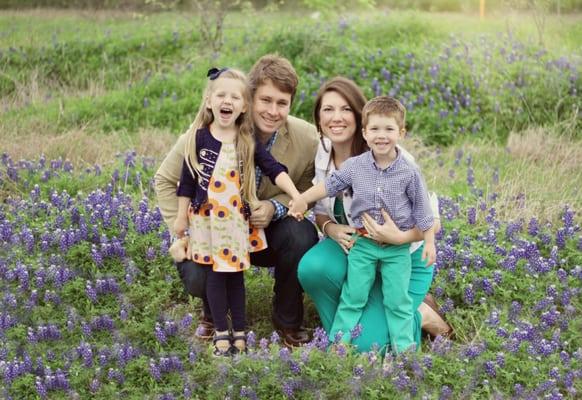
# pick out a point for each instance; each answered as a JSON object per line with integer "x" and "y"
{"x": 554, "y": 6}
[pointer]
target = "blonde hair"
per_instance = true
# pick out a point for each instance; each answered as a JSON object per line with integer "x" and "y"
{"x": 245, "y": 140}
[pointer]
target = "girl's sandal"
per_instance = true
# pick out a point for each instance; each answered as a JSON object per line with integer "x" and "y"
{"x": 218, "y": 352}
{"x": 239, "y": 337}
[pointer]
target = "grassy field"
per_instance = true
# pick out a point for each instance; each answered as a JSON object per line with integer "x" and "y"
{"x": 91, "y": 102}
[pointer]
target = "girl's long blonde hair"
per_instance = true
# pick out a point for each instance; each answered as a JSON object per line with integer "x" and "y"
{"x": 245, "y": 140}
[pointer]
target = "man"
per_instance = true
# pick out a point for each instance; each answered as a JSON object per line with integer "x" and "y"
{"x": 293, "y": 142}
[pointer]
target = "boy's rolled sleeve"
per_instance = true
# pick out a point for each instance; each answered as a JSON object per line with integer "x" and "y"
{"x": 341, "y": 179}
{"x": 421, "y": 207}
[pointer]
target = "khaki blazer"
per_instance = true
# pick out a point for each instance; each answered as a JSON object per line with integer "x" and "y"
{"x": 295, "y": 148}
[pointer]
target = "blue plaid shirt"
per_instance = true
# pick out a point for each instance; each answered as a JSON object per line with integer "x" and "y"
{"x": 280, "y": 209}
{"x": 399, "y": 189}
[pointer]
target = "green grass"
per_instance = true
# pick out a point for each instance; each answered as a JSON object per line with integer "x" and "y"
{"x": 122, "y": 73}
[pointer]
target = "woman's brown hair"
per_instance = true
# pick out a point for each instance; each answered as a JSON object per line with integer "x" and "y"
{"x": 355, "y": 98}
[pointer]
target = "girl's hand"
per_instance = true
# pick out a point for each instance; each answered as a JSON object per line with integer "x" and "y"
{"x": 387, "y": 233}
{"x": 297, "y": 207}
{"x": 180, "y": 249}
{"x": 180, "y": 227}
{"x": 429, "y": 253}
{"x": 342, "y": 234}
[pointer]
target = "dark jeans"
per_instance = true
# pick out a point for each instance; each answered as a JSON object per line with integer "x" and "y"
{"x": 288, "y": 240}
{"x": 226, "y": 291}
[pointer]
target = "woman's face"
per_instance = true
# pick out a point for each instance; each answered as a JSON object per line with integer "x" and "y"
{"x": 337, "y": 119}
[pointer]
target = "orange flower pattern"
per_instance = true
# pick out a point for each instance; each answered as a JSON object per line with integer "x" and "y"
{"x": 219, "y": 234}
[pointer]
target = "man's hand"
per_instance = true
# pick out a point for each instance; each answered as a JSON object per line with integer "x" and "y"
{"x": 262, "y": 214}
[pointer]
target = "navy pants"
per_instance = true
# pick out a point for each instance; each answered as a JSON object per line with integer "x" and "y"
{"x": 225, "y": 291}
{"x": 288, "y": 240}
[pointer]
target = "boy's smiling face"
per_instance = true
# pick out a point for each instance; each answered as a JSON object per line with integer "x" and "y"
{"x": 382, "y": 134}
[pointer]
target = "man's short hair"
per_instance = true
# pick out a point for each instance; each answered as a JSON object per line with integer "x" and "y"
{"x": 385, "y": 106}
{"x": 276, "y": 69}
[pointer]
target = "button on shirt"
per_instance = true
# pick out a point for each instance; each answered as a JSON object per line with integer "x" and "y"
{"x": 399, "y": 189}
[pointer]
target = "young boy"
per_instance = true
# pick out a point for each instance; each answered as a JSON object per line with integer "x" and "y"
{"x": 380, "y": 179}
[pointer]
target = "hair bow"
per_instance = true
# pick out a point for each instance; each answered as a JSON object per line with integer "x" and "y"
{"x": 214, "y": 73}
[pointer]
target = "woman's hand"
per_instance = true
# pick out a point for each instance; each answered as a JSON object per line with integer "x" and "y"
{"x": 387, "y": 233}
{"x": 342, "y": 234}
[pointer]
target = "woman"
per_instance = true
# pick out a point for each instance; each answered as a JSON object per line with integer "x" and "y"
{"x": 322, "y": 270}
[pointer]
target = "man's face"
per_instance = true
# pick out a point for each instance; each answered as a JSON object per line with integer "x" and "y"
{"x": 271, "y": 107}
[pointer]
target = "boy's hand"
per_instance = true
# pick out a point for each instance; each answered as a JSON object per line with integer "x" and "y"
{"x": 180, "y": 227}
{"x": 429, "y": 253}
{"x": 297, "y": 207}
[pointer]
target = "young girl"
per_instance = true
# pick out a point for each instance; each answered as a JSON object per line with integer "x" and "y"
{"x": 216, "y": 187}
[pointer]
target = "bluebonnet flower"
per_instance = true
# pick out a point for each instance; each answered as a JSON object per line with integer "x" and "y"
{"x": 469, "y": 294}
{"x": 275, "y": 338}
{"x": 284, "y": 354}
{"x": 247, "y": 392}
{"x": 295, "y": 367}
{"x": 472, "y": 351}
{"x": 251, "y": 339}
{"x": 358, "y": 371}
{"x": 160, "y": 334}
{"x": 533, "y": 227}
{"x": 155, "y": 370}
{"x": 356, "y": 331}
{"x": 264, "y": 344}
{"x": 561, "y": 238}
{"x": 490, "y": 368}
{"x": 116, "y": 375}
{"x": 446, "y": 393}
{"x": 471, "y": 215}
{"x": 288, "y": 388}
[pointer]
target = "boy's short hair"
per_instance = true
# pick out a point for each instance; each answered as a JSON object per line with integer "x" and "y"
{"x": 385, "y": 106}
{"x": 275, "y": 69}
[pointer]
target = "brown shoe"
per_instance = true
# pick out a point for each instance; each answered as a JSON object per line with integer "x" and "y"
{"x": 205, "y": 329}
{"x": 431, "y": 302}
{"x": 293, "y": 337}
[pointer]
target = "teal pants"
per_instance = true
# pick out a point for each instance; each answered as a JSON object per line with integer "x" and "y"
{"x": 322, "y": 273}
{"x": 364, "y": 260}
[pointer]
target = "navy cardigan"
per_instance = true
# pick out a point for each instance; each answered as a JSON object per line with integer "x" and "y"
{"x": 208, "y": 148}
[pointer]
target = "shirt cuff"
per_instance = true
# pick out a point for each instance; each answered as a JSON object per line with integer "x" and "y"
{"x": 280, "y": 210}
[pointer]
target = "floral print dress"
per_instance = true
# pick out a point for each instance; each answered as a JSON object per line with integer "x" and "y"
{"x": 219, "y": 234}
